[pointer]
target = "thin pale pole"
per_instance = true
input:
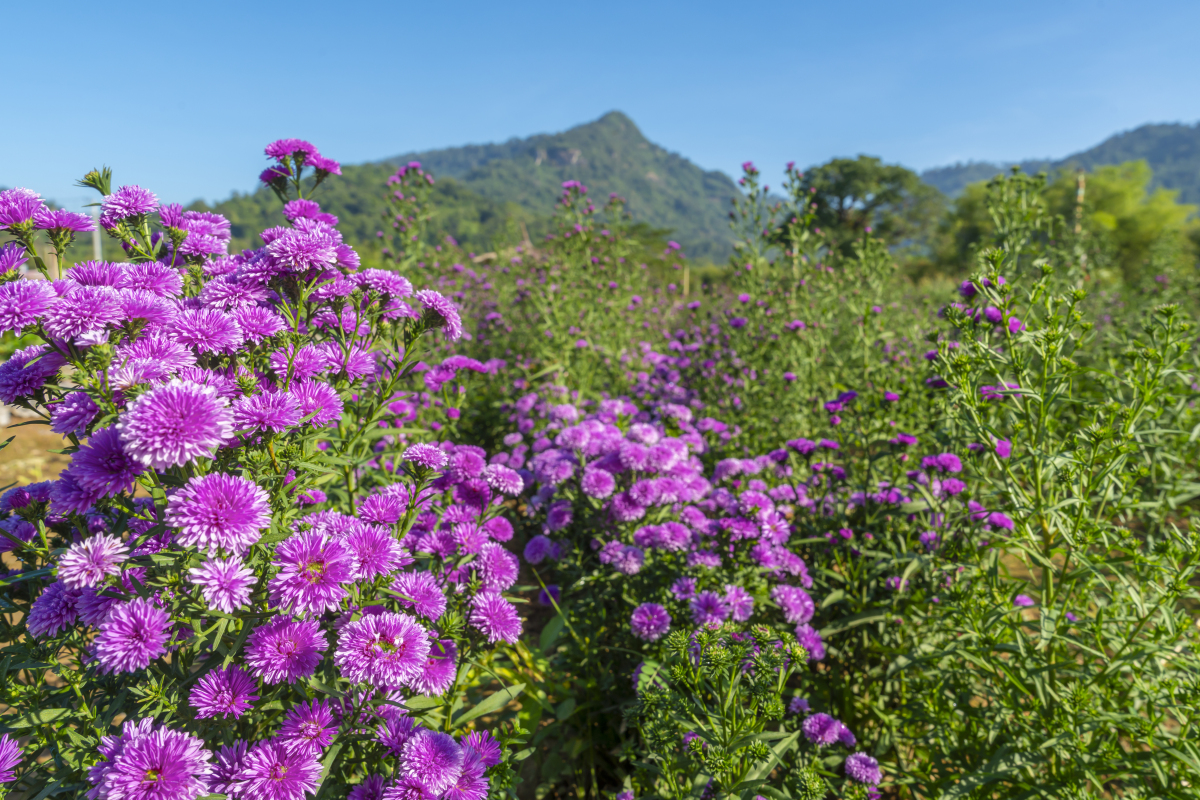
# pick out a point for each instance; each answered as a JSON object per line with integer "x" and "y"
{"x": 97, "y": 244}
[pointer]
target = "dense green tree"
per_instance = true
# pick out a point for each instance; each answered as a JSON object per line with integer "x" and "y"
{"x": 852, "y": 195}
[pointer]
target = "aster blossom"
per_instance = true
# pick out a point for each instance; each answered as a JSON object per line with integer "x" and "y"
{"x": 387, "y": 650}
{"x": 175, "y": 423}
{"x": 275, "y": 770}
{"x": 225, "y": 584}
{"x": 126, "y": 202}
{"x": 312, "y": 569}
{"x": 219, "y": 512}
{"x": 431, "y": 759}
{"x": 133, "y": 634}
{"x": 285, "y": 650}
{"x": 223, "y": 693}
{"x": 10, "y": 757}
{"x": 89, "y": 562}
{"x": 149, "y": 761}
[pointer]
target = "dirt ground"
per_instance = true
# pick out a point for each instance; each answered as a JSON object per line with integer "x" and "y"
{"x": 26, "y": 459}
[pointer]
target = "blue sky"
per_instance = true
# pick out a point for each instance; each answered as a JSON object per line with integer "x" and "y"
{"x": 181, "y": 97}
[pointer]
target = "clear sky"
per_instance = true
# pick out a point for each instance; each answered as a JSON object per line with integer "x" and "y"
{"x": 181, "y": 97}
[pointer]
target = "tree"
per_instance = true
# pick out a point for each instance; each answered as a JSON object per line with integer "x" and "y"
{"x": 852, "y": 195}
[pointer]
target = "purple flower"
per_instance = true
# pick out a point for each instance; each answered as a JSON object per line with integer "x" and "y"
{"x": 552, "y": 592}
{"x": 810, "y": 640}
{"x": 225, "y": 585}
{"x": 310, "y": 724}
{"x": 73, "y": 414}
{"x": 1023, "y": 601}
{"x": 277, "y": 770}
{"x": 285, "y": 650}
{"x": 18, "y": 206}
{"x": 497, "y": 568}
{"x": 371, "y": 788}
{"x": 173, "y": 424}
{"x": 375, "y": 551}
{"x": 495, "y": 617}
{"x": 440, "y": 313}
{"x": 440, "y": 668}
{"x": 266, "y": 411}
{"x": 23, "y": 302}
{"x": 1003, "y": 448}
{"x": 426, "y": 456}
{"x": 797, "y": 605}
{"x": 683, "y": 589}
{"x": 472, "y": 783}
{"x": 284, "y": 148}
{"x": 503, "y": 479}
{"x": 822, "y": 729}
{"x": 739, "y": 602}
{"x": 387, "y": 650}
{"x": 861, "y": 768}
{"x": 538, "y": 548}
{"x": 320, "y": 400}
{"x": 597, "y": 483}
{"x": 224, "y": 778}
{"x": 102, "y": 467}
{"x": 708, "y": 609}
{"x": 223, "y": 692}
{"x": 998, "y": 519}
{"x": 126, "y": 202}
{"x": 60, "y": 219}
{"x": 798, "y": 705}
{"x": 89, "y": 562}
{"x": 208, "y": 330}
{"x": 219, "y": 512}
{"x": 27, "y": 371}
{"x": 930, "y": 540}
{"x": 420, "y": 592}
{"x": 55, "y": 610}
{"x": 12, "y": 256}
{"x": 133, "y": 634}
{"x": 650, "y": 622}
{"x": 257, "y": 323}
{"x": 312, "y": 569}
{"x": 149, "y": 761}
{"x": 432, "y": 760}
{"x": 10, "y": 757}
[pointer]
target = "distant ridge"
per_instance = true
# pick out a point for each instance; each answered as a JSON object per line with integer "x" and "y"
{"x": 1171, "y": 149}
{"x": 664, "y": 189}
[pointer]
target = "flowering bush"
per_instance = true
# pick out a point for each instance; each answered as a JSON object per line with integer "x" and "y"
{"x": 242, "y": 584}
{"x": 793, "y": 534}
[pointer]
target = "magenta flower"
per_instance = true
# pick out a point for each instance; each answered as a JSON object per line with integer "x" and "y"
{"x": 133, "y": 634}
{"x": 861, "y": 768}
{"x": 440, "y": 313}
{"x": 797, "y": 605}
{"x": 318, "y": 401}
{"x": 208, "y": 330}
{"x": 504, "y": 480}
{"x": 427, "y": 456}
{"x": 12, "y": 256}
{"x": 739, "y": 602}
{"x": 277, "y": 770}
{"x": 222, "y": 693}
{"x": 708, "y": 609}
{"x": 432, "y": 760}
{"x": 266, "y": 411}
{"x": 440, "y": 669}
{"x": 497, "y": 567}
{"x": 1003, "y": 448}
{"x": 173, "y": 424}
{"x": 10, "y": 757}
{"x": 376, "y": 552}
{"x": 219, "y": 512}
{"x": 650, "y": 622}
{"x": 387, "y": 650}
{"x": 310, "y": 724}
{"x": 126, "y": 202}
{"x": 312, "y": 569}
{"x": 101, "y": 465}
{"x": 89, "y": 562}
{"x": 225, "y": 585}
{"x": 27, "y": 371}
{"x": 810, "y": 639}
{"x": 23, "y": 302}
{"x": 285, "y": 650}
{"x": 151, "y": 762}
{"x": 495, "y": 617}
{"x": 73, "y": 414}
{"x": 484, "y": 745}
{"x": 55, "y": 611}
{"x": 420, "y": 592}
{"x": 1024, "y": 601}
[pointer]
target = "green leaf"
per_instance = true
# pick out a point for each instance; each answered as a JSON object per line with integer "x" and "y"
{"x": 494, "y": 702}
{"x": 550, "y": 633}
{"x": 565, "y": 709}
{"x": 846, "y": 623}
{"x": 43, "y": 717}
{"x": 422, "y": 701}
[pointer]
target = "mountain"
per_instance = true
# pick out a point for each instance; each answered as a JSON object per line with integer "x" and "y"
{"x": 480, "y": 187}
{"x": 664, "y": 189}
{"x": 1172, "y": 150}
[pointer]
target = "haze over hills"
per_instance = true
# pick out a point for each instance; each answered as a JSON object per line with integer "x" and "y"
{"x": 1172, "y": 150}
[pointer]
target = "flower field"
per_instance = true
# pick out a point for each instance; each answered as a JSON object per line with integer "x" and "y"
{"x": 398, "y": 521}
